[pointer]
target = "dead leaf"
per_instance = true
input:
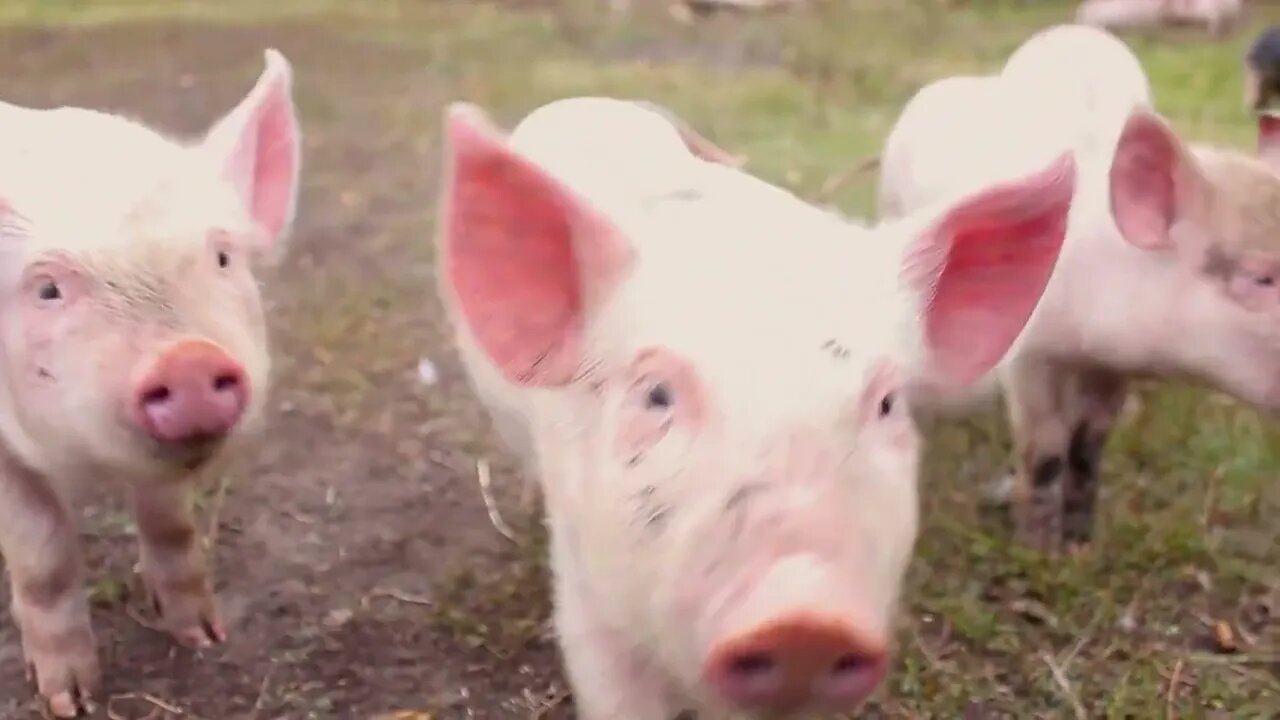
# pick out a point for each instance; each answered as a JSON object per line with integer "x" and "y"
{"x": 1224, "y": 637}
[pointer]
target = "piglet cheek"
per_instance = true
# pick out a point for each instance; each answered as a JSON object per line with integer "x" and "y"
{"x": 638, "y": 430}
{"x": 1245, "y": 290}
{"x": 642, "y": 425}
{"x": 902, "y": 437}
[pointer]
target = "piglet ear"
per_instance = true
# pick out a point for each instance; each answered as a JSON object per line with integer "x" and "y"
{"x": 1269, "y": 139}
{"x": 1154, "y": 181}
{"x": 257, "y": 147}
{"x": 524, "y": 258}
{"x": 983, "y": 266}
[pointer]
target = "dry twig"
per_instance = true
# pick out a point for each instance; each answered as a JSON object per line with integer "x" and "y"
{"x": 490, "y": 504}
{"x": 1238, "y": 659}
{"x": 158, "y": 706}
{"x": 402, "y": 597}
{"x": 842, "y": 178}
{"x": 1085, "y": 637}
{"x": 1065, "y": 685}
{"x": 1173, "y": 690}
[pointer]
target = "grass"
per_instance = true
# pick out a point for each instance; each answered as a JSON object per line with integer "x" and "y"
{"x": 1188, "y": 536}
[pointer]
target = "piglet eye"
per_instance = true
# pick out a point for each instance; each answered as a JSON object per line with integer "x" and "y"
{"x": 223, "y": 259}
{"x": 1265, "y": 280}
{"x": 886, "y": 405}
{"x": 659, "y": 397}
{"x": 49, "y": 290}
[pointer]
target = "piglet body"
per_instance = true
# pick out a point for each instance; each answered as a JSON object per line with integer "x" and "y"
{"x": 134, "y": 348}
{"x": 706, "y": 375}
{"x": 1167, "y": 241}
{"x": 1216, "y": 16}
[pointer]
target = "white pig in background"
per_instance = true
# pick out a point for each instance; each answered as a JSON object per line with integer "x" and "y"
{"x": 1171, "y": 266}
{"x": 1216, "y": 16}
{"x": 134, "y": 347}
{"x": 709, "y": 376}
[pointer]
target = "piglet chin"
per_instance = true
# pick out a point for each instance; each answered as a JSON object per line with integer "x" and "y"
{"x": 801, "y": 640}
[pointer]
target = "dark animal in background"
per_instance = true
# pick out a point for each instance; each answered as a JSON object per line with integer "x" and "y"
{"x": 1262, "y": 69}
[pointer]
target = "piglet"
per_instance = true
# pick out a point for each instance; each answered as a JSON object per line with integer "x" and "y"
{"x": 1262, "y": 69}
{"x": 134, "y": 348}
{"x": 1216, "y": 16}
{"x": 709, "y": 376}
{"x": 1171, "y": 265}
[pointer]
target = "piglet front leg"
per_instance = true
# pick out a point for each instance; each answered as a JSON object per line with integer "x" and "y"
{"x": 1099, "y": 399}
{"x": 1061, "y": 418}
{"x": 610, "y": 682}
{"x": 1038, "y": 412}
{"x": 38, "y": 540}
{"x": 173, "y": 565}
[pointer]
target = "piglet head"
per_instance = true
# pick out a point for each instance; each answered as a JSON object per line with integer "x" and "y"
{"x": 1210, "y": 220}
{"x": 728, "y": 456}
{"x": 134, "y": 335}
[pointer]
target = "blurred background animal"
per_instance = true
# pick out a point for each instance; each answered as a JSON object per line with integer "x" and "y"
{"x": 1219, "y": 17}
{"x": 1262, "y": 69}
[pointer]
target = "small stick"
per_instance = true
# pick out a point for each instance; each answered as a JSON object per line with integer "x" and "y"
{"x": 840, "y": 179}
{"x": 491, "y": 505}
{"x": 1061, "y": 678}
{"x": 1173, "y": 689}
{"x": 157, "y": 705}
{"x": 1237, "y": 659}
{"x": 402, "y": 597}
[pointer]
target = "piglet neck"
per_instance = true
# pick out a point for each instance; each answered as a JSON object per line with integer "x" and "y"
{"x": 1115, "y": 305}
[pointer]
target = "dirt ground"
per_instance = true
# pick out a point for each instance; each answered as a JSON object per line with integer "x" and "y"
{"x": 355, "y": 562}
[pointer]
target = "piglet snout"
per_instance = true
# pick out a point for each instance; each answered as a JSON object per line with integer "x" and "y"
{"x": 194, "y": 391}
{"x": 796, "y": 662}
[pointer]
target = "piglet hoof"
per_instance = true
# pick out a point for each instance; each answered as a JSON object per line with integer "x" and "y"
{"x": 188, "y": 612}
{"x": 72, "y": 703}
{"x": 67, "y": 676}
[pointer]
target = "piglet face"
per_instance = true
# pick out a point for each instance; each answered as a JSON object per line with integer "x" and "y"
{"x": 776, "y": 548}
{"x": 1214, "y": 213}
{"x": 134, "y": 334}
{"x": 727, "y": 454}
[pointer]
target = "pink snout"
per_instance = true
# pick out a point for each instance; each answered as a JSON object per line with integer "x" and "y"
{"x": 193, "y": 392}
{"x": 794, "y": 663}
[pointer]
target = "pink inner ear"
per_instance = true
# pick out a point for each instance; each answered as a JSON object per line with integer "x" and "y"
{"x": 523, "y": 255}
{"x": 1268, "y": 136}
{"x": 1144, "y": 181}
{"x": 986, "y": 264}
{"x": 262, "y": 157}
{"x": 275, "y": 169}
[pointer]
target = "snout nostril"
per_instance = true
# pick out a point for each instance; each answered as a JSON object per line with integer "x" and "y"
{"x": 750, "y": 664}
{"x": 155, "y": 396}
{"x": 849, "y": 663}
{"x": 225, "y": 381}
